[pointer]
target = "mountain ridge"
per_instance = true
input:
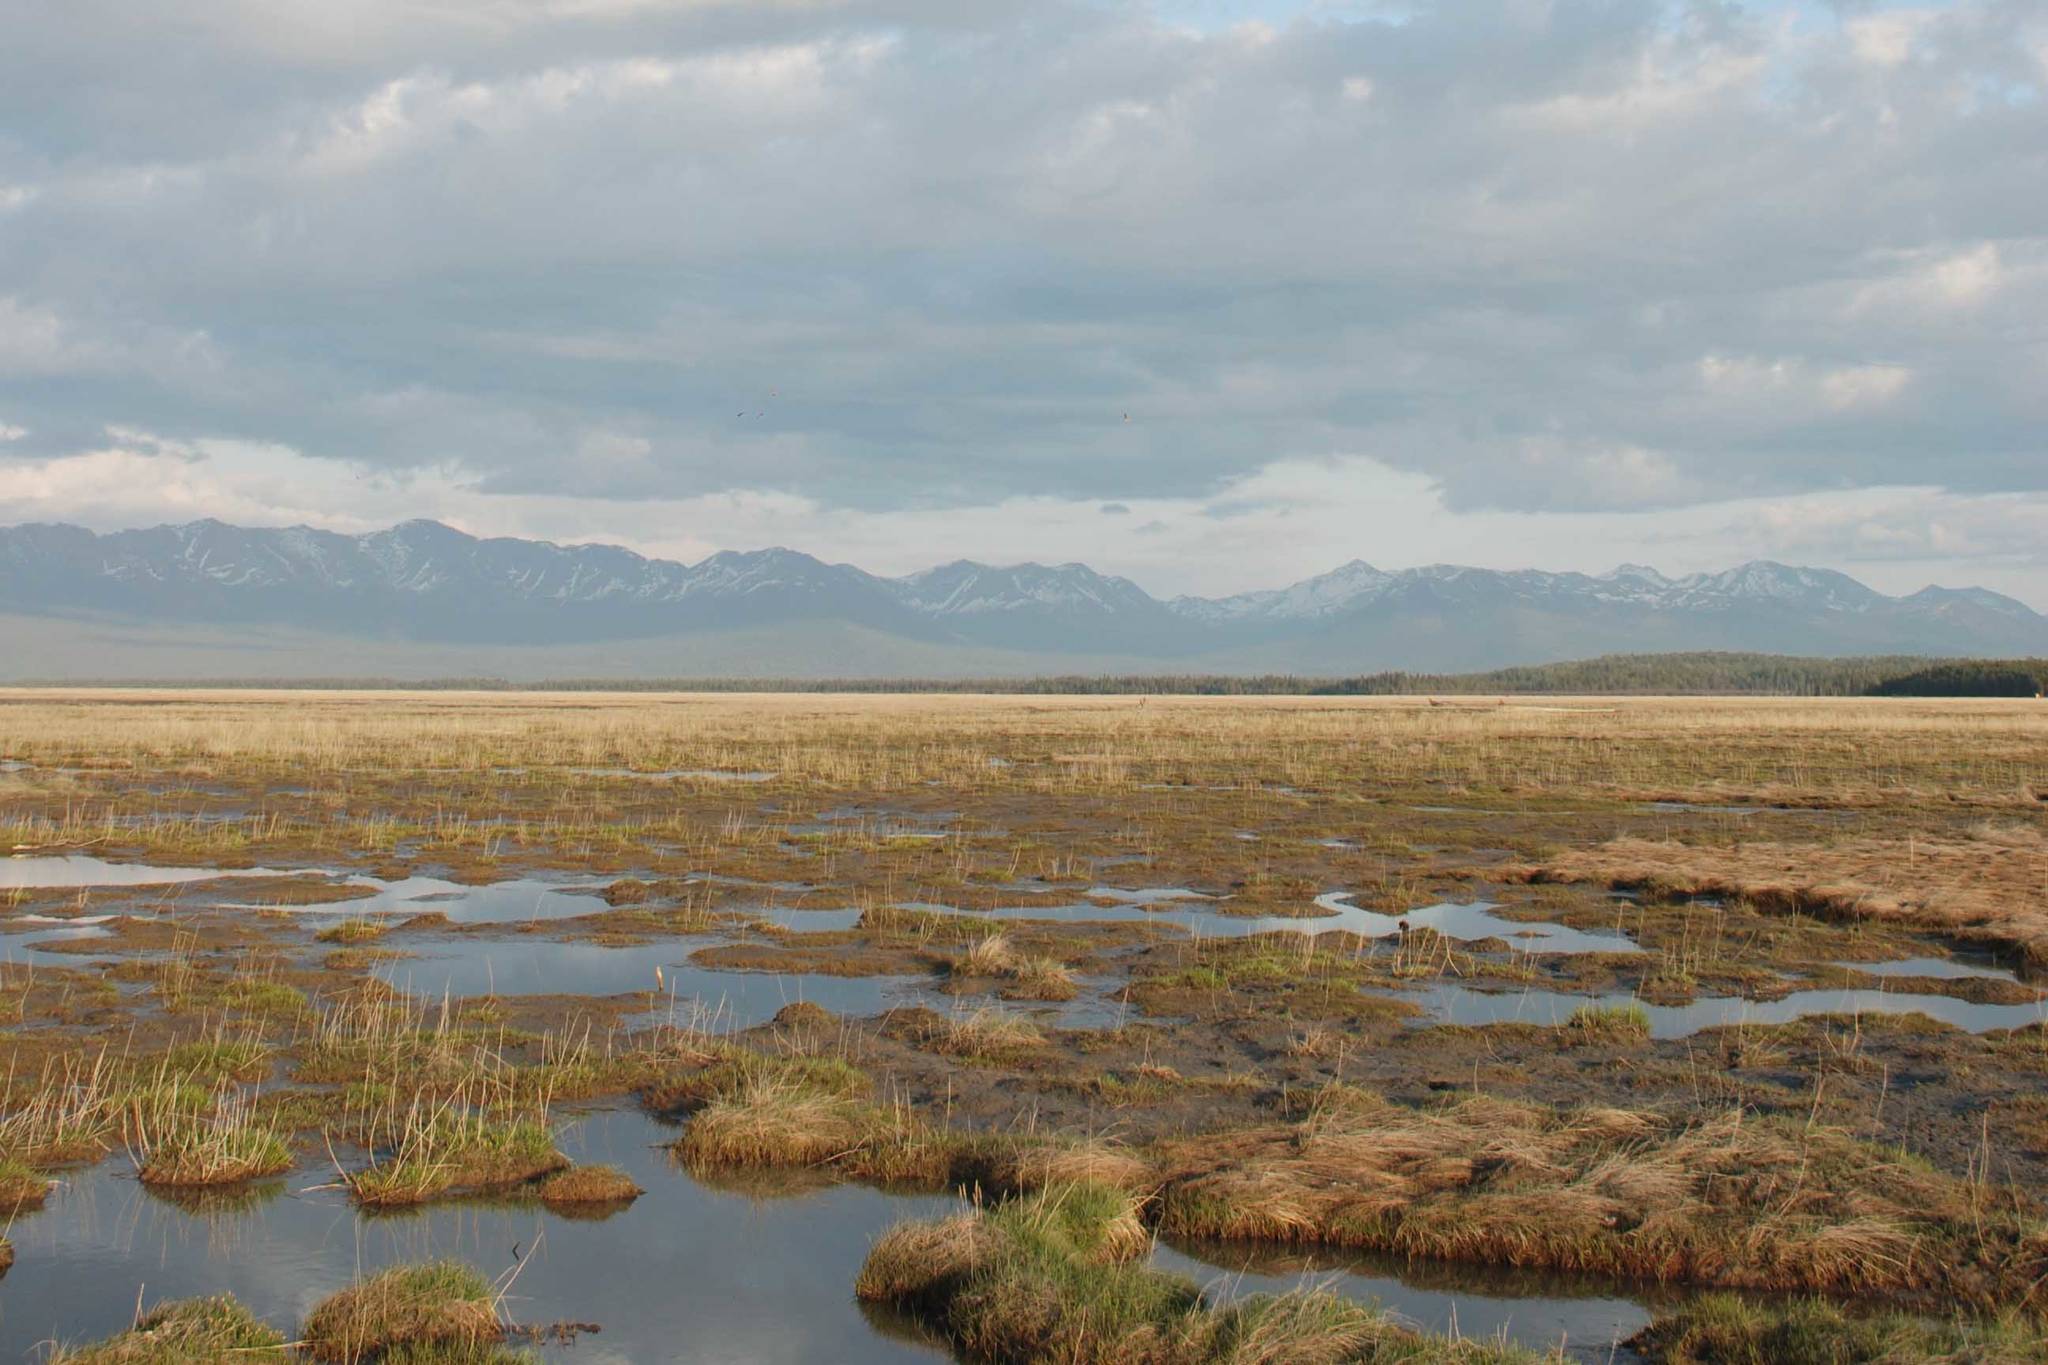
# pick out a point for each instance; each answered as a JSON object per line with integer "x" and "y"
{"x": 424, "y": 581}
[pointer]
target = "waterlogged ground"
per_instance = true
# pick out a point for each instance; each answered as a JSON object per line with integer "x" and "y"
{"x": 754, "y": 1270}
{"x": 1024, "y": 921}
{"x": 710, "y": 1274}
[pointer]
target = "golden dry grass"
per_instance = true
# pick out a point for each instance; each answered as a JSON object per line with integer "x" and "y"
{"x": 1983, "y": 751}
{"x": 1736, "y": 1201}
{"x": 589, "y": 1185}
{"x": 1991, "y": 885}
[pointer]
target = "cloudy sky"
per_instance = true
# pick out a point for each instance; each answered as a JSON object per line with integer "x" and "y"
{"x": 1214, "y": 293}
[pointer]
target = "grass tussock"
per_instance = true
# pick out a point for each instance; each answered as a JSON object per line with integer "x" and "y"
{"x": 1056, "y": 1279}
{"x": 584, "y": 1185}
{"x": 1024, "y": 976}
{"x": 1094, "y": 1161}
{"x": 1735, "y": 1202}
{"x": 1608, "y": 1023}
{"x": 224, "y": 1143}
{"x": 777, "y": 1121}
{"x": 70, "y": 1113}
{"x": 991, "y": 956}
{"x": 188, "y": 1332}
{"x": 987, "y": 1033}
{"x": 353, "y": 931}
{"x": 439, "y": 1311}
{"x": 448, "y": 1149}
{"x": 1040, "y": 977}
{"x": 22, "y": 1188}
{"x": 729, "y": 1070}
{"x": 1724, "y": 1329}
{"x": 783, "y": 1120}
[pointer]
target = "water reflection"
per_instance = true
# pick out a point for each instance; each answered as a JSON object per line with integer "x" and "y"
{"x": 69, "y": 871}
{"x": 1589, "y": 1317}
{"x": 1445, "y": 1003}
{"x": 688, "y": 1272}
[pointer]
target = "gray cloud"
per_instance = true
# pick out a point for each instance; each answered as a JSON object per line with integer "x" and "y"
{"x": 1570, "y": 257}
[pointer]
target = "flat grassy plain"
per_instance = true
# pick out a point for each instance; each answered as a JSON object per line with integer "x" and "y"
{"x": 1177, "y": 962}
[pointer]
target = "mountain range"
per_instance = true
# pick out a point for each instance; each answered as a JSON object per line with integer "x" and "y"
{"x": 210, "y": 599}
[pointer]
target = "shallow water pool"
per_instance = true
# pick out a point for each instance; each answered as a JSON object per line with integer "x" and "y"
{"x": 1445, "y": 1003}
{"x": 688, "y": 1273}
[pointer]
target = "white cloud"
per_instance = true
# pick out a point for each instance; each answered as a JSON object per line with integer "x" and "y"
{"x": 1793, "y": 385}
{"x": 1967, "y": 278}
{"x": 1865, "y": 386}
{"x": 1884, "y": 39}
{"x": 34, "y": 340}
{"x": 525, "y": 261}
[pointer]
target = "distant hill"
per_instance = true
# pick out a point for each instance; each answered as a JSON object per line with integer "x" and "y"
{"x": 423, "y": 600}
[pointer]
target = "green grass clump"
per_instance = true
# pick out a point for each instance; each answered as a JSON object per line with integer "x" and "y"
{"x": 743, "y": 1071}
{"x": 1628, "y": 1020}
{"x": 223, "y": 1144}
{"x": 1724, "y": 1329}
{"x": 22, "y": 1187}
{"x": 219, "y": 1059}
{"x": 453, "y": 1152}
{"x": 1057, "y": 1278}
{"x": 188, "y": 1332}
{"x": 263, "y": 997}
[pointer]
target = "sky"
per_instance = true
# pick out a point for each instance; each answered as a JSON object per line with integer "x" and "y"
{"x": 1217, "y": 294}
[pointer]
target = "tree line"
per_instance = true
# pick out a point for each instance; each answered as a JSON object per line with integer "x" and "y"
{"x": 1703, "y": 673}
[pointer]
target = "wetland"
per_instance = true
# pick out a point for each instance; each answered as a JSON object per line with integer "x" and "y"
{"x": 720, "y": 1027}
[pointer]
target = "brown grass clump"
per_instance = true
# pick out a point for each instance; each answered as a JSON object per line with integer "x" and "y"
{"x": 444, "y": 1306}
{"x": 1737, "y": 1201}
{"x": 189, "y": 1332}
{"x": 772, "y": 1121}
{"x": 353, "y": 931}
{"x": 781, "y": 1120}
{"x": 1040, "y": 977}
{"x": 923, "y": 1263}
{"x": 987, "y": 1033}
{"x": 803, "y": 1015}
{"x": 589, "y": 1185}
{"x": 1025, "y": 976}
{"x": 1035, "y": 1166}
{"x": 992, "y": 956}
{"x": 1983, "y": 889}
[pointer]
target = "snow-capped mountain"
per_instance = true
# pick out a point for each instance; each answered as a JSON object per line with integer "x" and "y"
{"x": 1032, "y": 606}
{"x": 1358, "y": 585}
{"x": 1311, "y": 599}
{"x": 421, "y": 582}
